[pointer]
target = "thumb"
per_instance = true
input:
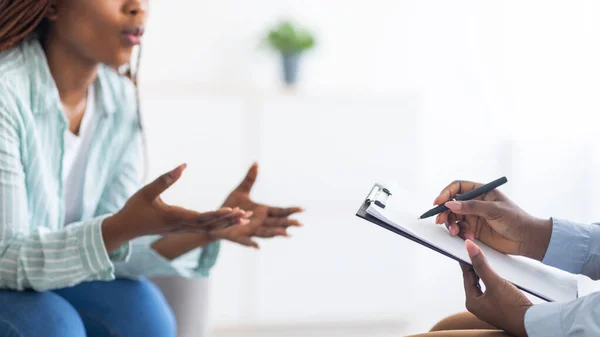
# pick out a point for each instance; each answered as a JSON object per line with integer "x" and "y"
{"x": 480, "y": 265}
{"x": 246, "y": 184}
{"x": 158, "y": 186}
{"x": 475, "y": 207}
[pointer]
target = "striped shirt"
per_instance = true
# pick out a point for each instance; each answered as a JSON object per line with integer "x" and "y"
{"x": 37, "y": 250}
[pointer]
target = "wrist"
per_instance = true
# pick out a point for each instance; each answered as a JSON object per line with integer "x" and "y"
{"x": 175, "y": 245}
{"x": 117, "y": 230}
{"x": 209, "y": 237}
{"x": 520, "y": 330}
{"x": 539, "y": 233}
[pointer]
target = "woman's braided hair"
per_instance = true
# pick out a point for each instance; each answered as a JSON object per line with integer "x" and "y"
{"x": 19, "y": 18}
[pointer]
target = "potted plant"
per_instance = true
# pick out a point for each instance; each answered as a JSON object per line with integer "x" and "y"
{"x": 290, "y": 41}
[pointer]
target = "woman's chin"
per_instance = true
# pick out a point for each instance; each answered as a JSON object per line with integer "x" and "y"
{"x": 121, "y": 59}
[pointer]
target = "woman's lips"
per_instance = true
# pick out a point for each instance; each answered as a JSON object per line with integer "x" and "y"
{"x": 132, "y": 36}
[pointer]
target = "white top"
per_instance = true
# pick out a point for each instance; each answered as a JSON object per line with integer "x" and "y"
{"x": 74, "y": 163}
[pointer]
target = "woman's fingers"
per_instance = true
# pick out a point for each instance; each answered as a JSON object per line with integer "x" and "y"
{"x": 154, "y": 189}
{"x": 246, "y": 185}
{"x": 278, "y": 212}
{"x": 246, "y": 241}
{"x": 219, "y": 224}
{"x": 266, "y": 232}
{"x": 196, "y": 222}
{"x": 442, "y": 217}
{"x": 451, "y": 224}
{"x": 456, "y": 187}
{"x": 178, "y": 214}
{"x": 281, "y": 222}
{"x": 208, "y": 217}
{"x": 226, "y": 223}
{"x": 235, "y": 217}
{"x": 464, "y": 230}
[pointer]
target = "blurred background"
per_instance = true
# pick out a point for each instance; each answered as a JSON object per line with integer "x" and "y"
{"x": 420, "y": 92}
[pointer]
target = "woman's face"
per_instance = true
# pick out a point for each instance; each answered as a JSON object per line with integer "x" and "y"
{"x": 102, "y": 31}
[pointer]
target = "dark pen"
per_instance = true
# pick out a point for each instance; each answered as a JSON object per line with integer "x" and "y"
{"x": 481, "y": 190}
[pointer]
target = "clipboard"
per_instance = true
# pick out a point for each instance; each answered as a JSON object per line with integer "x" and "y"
{"x": 375, "y": 196}
{"x": 379, "y": 195}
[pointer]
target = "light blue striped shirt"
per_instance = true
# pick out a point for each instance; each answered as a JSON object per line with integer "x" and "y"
{"x": 574, "y": 248}
{"x": 37, "y": 250}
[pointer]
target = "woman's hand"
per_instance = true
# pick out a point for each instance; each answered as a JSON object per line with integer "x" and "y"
{"x": 494, "y": 220}
{"x": 266, "y": 221}
{"x": 145, "y": 213}
{"x": 502, "y": 304}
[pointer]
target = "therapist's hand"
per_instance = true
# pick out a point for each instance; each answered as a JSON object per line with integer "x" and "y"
{"x": 502, "y": 304}
{"x": 265, "y": 222}
{"x": 494, "y": 220}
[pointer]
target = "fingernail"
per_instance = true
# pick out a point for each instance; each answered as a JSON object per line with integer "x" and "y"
{"x": 180, "y": 167}
{"x": 454, "y": 205}
{"x": 245, "y": 222}
{"x": 249, "y": 214}
{"x": 472, "y": 248}
{"x": 171, "y": 174}
{"x": 437, "y": 219}
{"x": 469, "y": 236}
{"x": 453, "y": 230}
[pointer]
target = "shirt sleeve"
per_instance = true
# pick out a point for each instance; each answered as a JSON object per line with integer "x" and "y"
{"x": 574, "y": 248}
{"x": 42, "y": 259}
{"x": 141, "y": 259}
{"x": 580, "y": 317}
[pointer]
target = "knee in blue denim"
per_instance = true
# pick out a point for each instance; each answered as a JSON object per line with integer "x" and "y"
{"x": 38, "y": 314}
{"x": 119, "y": 308}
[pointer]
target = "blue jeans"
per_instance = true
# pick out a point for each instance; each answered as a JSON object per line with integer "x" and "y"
{"x": 94, "y": 309}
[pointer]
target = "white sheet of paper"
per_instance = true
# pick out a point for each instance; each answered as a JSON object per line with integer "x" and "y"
{"x": 539, "y": 279}
{"x": 586, "y": 286}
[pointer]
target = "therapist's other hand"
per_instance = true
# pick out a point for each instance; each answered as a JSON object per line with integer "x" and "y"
{"x": 502, "y": 304}
{"x": 145, "y": 213}
{"x": 265, "y": 222}
{"x": 494, "y": 220}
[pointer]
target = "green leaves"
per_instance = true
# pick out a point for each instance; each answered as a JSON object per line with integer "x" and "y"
{"x": 290, "y": 39}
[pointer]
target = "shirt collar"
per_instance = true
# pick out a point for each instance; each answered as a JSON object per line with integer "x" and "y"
{"x": 44, "y": 93}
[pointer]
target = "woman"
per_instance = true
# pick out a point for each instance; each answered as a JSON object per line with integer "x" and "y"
{"x": 502, "y": 310}
{"x": 71, "y": 206}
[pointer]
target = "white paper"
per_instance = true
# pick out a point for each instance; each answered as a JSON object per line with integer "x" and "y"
{"x": 586, "y": 286}
{"x": 540, "y": 280}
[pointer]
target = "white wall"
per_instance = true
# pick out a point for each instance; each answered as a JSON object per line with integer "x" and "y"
{"x": 503, "y": 86}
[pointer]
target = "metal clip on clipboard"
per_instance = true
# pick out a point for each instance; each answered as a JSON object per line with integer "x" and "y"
{"x": 379, "y": 195}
